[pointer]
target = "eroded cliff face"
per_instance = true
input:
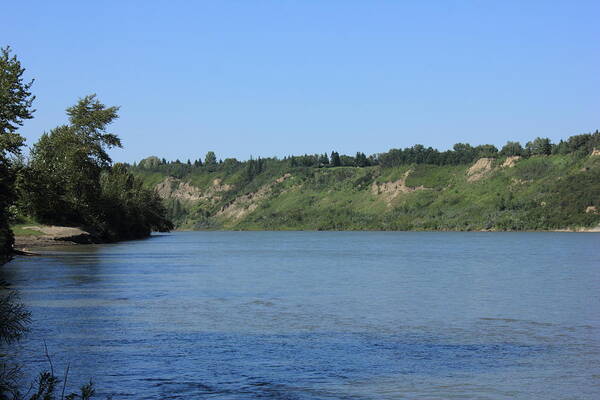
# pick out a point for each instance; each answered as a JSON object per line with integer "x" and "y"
{"x": 388, "y": 191}
{"x": 510, "y": 161}
{"x": 173, "y": 188}
{"x": 247, "y": 203}
{"x": 480, "y": 169}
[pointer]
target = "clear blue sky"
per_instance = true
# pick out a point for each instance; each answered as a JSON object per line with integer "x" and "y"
{"x": 278, "y": 77}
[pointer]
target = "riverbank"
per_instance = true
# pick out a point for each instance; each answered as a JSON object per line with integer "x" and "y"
{"x": 50, "y": 236}
{"x": 35, "y": 236}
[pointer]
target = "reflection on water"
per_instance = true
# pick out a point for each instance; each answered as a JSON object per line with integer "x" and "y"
{"x": 322, "y": 315}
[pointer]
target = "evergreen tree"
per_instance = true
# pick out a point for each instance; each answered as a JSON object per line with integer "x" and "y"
{"x": 260, "y": 165}
{"x": 335, "y": 159}
{"x": 361, "y": 160}
{"x": 210, "y": 161}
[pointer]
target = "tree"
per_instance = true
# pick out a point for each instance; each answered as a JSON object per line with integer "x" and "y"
{"x": 251, "y": 170}
{"x": 67, "y": 162}
{"x": 70, "y": 179}
{"x": 511, "y": 149}
{"x": 361, "y": 160}
{"x": 128, "y": 209}
{"x": 539, "y": 146}
{"x": 335, "y": 159}
{"x": 347, "y": 161}
{"x": 323, "y": 160}
{"x": 464, "y": 153}
{"x": 15, "y": 107}
{"x": 210, "y": 161}
{"x": 15, "y": 96}
{"x": 150, "y": 163}
{"x": 486, "y": 150}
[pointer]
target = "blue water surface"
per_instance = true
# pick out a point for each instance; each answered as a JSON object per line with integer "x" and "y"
{"x": 320, "y": 315}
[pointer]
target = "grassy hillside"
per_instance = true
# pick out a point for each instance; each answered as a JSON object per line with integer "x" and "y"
{"x": 535, "y": 193}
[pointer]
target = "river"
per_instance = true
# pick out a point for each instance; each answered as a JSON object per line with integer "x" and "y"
{"x": 320, "y": 315}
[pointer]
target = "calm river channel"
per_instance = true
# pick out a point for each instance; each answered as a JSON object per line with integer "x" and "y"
{"x": 320, "y": 315}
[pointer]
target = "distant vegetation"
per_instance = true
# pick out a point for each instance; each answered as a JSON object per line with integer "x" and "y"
{"x": 542, "y": 186}
{"x": 69, "y": 179}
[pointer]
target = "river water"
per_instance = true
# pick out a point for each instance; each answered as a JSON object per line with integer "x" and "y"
{"x": 320, "y": 315}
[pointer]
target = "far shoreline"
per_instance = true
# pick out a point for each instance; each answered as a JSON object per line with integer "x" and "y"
{"x": 25, "y": 243}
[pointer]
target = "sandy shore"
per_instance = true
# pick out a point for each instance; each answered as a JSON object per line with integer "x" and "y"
{"x": 53, "y": 236}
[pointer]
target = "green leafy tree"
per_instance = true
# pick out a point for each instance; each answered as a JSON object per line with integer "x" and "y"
{"x": 150, "y": 163}
{"x": 66, "y": 165}
{"x": 16, "y": 99}
{"x": 512, "y": 149}
{"x": 15, "y": 107}
{"x": 464, "y": 153}
{"x": 128, "y": 209}
{"x": 70, "y": 179}
{"x": 539, "y": 147}
{"x": 486, "y": 150}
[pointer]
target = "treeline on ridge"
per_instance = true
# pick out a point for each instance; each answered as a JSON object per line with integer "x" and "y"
{"x": 461, "y": 153}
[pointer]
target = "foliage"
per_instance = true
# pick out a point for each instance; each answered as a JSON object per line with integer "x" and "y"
{"x": 70, "y": 179}
{"x": 335, "y": 159}
{"x": 539, "y": 147}
{"x": 210, "y": 161}
{"x": 14, "y": 318}
{"x": 15, "y": 106}
{"x": 357, "y": 198}
{"x": 15, "y": 96}
{"x": 511, "y": 149}
{"x": 128, "y": 209}
{"x": 462, "y": 153}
